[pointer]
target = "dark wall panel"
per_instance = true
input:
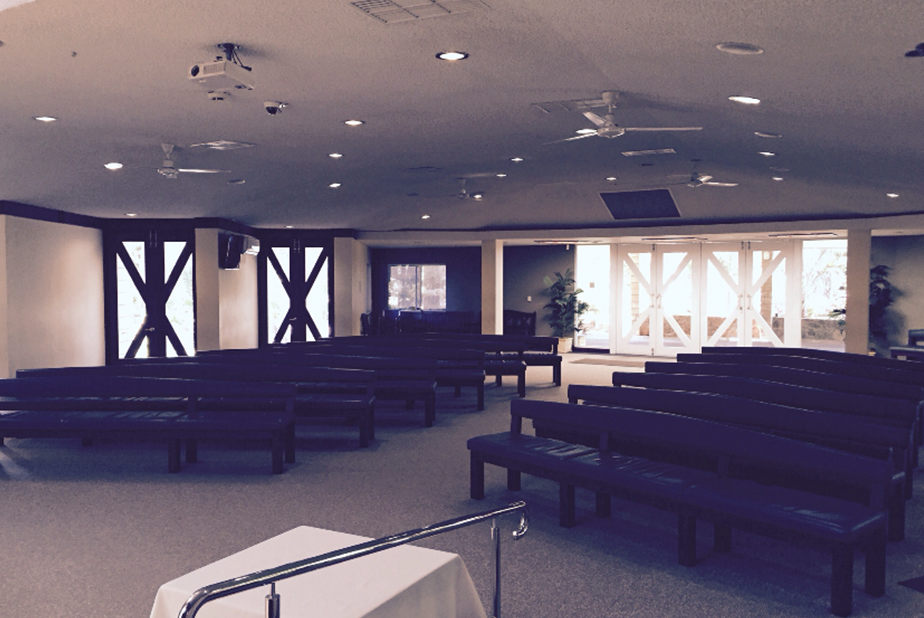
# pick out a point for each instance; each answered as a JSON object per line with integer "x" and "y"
{"x": 524, "y": 270}
{"x": 463, "y": 274}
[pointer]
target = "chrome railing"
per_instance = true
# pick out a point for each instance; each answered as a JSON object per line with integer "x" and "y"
{"x": 272, "y": 575}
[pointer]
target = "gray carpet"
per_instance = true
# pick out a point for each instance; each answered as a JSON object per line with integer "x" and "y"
{"x": 95, "y": 531}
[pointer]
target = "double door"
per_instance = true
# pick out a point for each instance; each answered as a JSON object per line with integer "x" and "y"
{"x": 673, "y": 298}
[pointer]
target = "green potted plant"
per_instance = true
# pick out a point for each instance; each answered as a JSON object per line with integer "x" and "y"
{"x": 881, "y": 296}
{"x": 565, "y": 308}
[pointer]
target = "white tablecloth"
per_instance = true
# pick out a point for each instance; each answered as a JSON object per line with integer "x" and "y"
{"x": 395, "y": 583}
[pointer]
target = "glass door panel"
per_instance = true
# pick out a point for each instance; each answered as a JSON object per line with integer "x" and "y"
{"x": 132, "y": 310}
{"x": 676, "y": 299}
{"x": 180, "y": 311}
{"x": 318, "y": 297}
{"x": 592, "y": 276}
{"x": 635, "y": 300}
{"x": 766, "y": 294}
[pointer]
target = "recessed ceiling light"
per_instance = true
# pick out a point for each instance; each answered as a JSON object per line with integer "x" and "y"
{"x": 892, "y": 195}
{"x": 767, "y": 153}
{"x": 45, "y": 118}
{"x": 335, "y": 155}
{"x": 113, "y": 165}
{"x": 501, "y": 175}
{"x": 765, "y": 134}
{"x": 131, "y": 214}
{"x": 424, "y": 216}
{"x": 778, "y": 178}
{"x": 739, "y": 49}
{"x": 353, "y": 123}
{"x": 517, "y": 159}
{"x": 452, "y": 56}
{"x": 611, "y": 178}
{"x": 744, "y": 100}
{"x": 289, "y": 227}
{"x": 334, "y": 185}
{"x": 477, "y": 196}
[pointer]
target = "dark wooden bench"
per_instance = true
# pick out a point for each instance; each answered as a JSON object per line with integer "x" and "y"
{"x": 836, "y": 431}
{"x": 89, "y": 407}
{"x": 322, "y": 392}
{"x": 833, "y": 355}
{"x": 626, "y": 466}
{"x": 396, "y": 379}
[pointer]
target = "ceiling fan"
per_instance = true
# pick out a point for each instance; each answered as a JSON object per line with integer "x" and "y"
{"x": 168, "y": 168}
{"x": 699, "y": 180}
{"x": 607, "y": 127}
{"x": 465, "y": 194}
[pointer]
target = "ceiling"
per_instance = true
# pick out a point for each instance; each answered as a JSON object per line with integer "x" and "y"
{"x": 833, "y": 80}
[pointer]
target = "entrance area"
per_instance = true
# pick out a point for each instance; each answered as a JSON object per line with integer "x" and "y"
{"x": 661, "y": 299}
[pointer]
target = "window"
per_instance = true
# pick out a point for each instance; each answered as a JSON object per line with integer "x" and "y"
{"x": 417, "y": 286}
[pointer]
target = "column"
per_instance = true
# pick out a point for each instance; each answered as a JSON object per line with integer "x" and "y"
{"x": 492, "y": 287}
{"x": 859, "y": 247}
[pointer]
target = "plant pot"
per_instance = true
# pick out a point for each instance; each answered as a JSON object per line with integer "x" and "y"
{"x": 564, "y": 344}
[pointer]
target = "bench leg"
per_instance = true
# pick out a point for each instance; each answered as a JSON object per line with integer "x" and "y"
{"x": 897, "y": 516}
{"x": 430, "y": 410}
{"x": 722, "y": 538}
{"x": 842, "y": 580}
{"x": 372, "y": 422}
{"x": 477, "y": 477}
{"x": 173, "y": 454}
{"x": 604, "y": 505}
{"x": 686, "y": 540}
{"x": 481, "y": 397}
{"x": 876, "y": 568}
{"x": 499, "y": 380}
{"x": 364, "y": 431}
{"x": 556, "y": 373}
{"x": 566, "y": 506}
{"x": 290, "y": 443}
{"x": 192, "y": 450}
{"x": 521, "y": 383}
{"x": 513, "y": 479}
{"x": 276, "y": 452}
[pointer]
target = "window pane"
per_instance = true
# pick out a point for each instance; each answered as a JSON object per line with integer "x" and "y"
{"x": 276, "y": 296}
{"x": 432, "y": 287}
{"x": 131, "y": 306}
{"x": 402, "y": 287}
{"x": 318, "y": 301}
{"x": 180, "y": 303}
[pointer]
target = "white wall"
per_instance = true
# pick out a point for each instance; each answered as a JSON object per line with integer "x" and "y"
{"x": 226, "y": 300}
{"x": 52, "y": 296}
{"x": 352, "y": 296}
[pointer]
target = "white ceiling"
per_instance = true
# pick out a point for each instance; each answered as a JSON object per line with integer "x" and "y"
{"x": 833, "y": 79}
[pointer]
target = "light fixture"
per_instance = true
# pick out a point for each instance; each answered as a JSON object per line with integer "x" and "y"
{"x": 765, "y": 134}
{"x": 477, "y": 196}
{"x": 452, "y": 56}
{"x": 424, "y": 216}
{"x": 353, "y": 123}
{"x": 767, "y": 153}
{"x": 611, "y": 178}
{"x": 739, "y": 49}
{"x": 777, "y": 178}
{"x": 501, "y": 175}
{"x": 892, "y": 195}
{"x": 744, "y": 100}
{"x": 289, "y": 227}
{"x": 113, "y": 165}
{"x": 335, "y": 155}
{"x": 517, "y": 159}
{"x": 334, "y": 185}
{"x": 131, "y": 214}
{"x": 45, "y": 118}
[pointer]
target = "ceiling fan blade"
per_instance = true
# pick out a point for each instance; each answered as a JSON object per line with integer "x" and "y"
{"x": 594, "y": 118}
{"x": 193, "y": 170}
{"x": 721, "y": 184}
{"x": 704, "y": 178}
{"x": 662, "y": 128}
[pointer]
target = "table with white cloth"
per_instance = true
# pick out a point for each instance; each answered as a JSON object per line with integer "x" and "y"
{"x": 398, "y": 582}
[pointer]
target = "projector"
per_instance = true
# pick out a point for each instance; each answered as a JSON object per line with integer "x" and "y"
{"x": 221, "y": 75}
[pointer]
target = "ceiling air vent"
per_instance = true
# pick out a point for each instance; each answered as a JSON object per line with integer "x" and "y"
{"x": 650, "y": 204}
{"x": 394, "y": 11}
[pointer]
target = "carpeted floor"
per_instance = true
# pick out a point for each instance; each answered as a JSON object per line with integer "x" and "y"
{"x": 95, "y": 531}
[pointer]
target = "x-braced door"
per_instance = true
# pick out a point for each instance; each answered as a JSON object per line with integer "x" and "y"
{"x": 297, "y": 295}
{"x": 155, "y": 297}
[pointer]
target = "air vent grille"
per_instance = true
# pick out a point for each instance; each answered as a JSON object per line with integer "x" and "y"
{"x": 395, "y": 11}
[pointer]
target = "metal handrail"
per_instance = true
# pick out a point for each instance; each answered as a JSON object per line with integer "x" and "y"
{"x": 270, "y": 576}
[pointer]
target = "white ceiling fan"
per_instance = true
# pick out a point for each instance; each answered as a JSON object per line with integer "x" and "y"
{"x": 465, "y": 194}
{"x": 699, "y": 180}
{"x": 607, "y": 127}
{"x": 168, "y": 168}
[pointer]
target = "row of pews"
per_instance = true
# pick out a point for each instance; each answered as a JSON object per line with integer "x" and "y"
{"x": 806, "y": 446}
{"x": 261, "y": 393}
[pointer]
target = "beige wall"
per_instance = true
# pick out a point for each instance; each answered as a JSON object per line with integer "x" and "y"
{"x": 352, "y": 296}
{"x": 226, "y": 300}
{"x": 51, "y": 293}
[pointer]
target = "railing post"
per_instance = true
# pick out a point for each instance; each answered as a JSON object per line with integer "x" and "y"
{"x": 272, "y": 602}
{"x": 495, "y": 537}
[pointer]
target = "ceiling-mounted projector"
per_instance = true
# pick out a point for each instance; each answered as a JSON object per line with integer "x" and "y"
{"x": 221, "y": 75}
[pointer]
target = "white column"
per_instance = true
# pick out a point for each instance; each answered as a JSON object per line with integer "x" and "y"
{"x": 4, "y": 309}
{"x": 208, "y": 297}
{"x": 859, "y": 248}
{"x": 792, "y": 326}
{"x": 492, "y": 287}
{"x": 351, "y": 285}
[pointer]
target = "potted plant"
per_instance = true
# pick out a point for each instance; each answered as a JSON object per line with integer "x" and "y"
{"x": 565, "y": 308}
{"x": 881, "y": 296}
